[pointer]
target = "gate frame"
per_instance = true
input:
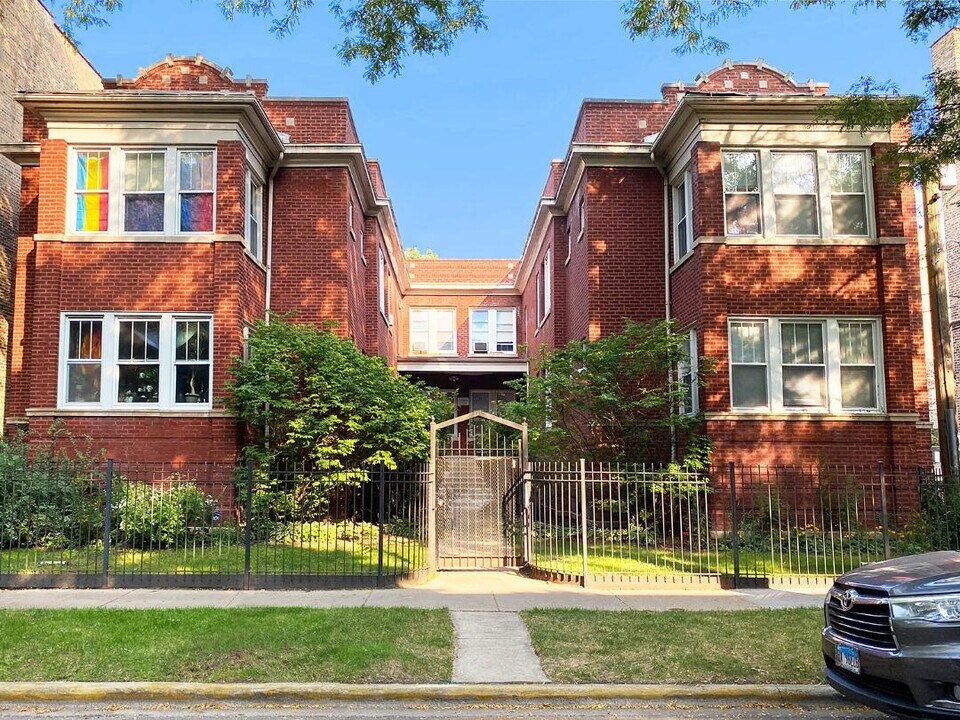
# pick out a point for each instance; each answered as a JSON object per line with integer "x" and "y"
{"x": 433, "y": 550}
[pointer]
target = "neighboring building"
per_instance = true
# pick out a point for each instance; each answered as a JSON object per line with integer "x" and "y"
{"x": 35, "y": 54}
{"x": 175, "y": 208}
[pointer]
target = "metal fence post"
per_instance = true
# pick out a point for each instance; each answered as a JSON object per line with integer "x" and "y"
{"x": 432, "y": 550}
{"x": 248, "y": 529}
{"x": 884, "y": 523}
{"x": 583, "y": 517}
{"x": 107, "y": 522}
{"x": 380, "y": 510}
{"x": 735, "y": 523}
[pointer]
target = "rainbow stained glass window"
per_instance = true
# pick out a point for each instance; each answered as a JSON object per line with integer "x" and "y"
{"x": 195, "y": 186}
{"x": 92, "y": 190}
{"x": 143, "y": 196}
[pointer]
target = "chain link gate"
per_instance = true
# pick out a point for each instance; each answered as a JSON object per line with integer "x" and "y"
{"x": 478, "y": 462}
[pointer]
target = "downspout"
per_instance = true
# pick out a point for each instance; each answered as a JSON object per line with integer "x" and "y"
{"x": 273, "y": 174}
{"x": 666, "y": 283}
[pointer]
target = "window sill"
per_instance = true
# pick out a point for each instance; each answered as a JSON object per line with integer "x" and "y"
{"x": 493, "y": 355}
{"x": 204, "y": 411}
{"x": 150, "y": 238}
{"x": 766, "y": 416}
{"x": 683, "y": 258}
{"x": 807, "y": 241}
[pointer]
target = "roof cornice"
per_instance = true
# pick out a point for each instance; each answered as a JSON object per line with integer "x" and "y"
{"x": 23, "y": 154}
{"x": 120, "y": 105}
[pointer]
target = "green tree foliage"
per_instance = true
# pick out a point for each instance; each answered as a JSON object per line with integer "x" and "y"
{"x": 379, "y": 33}
{"x": 933, "y": 117}
{"x": 413, "y": 253}
{"x": 312, "y": 397}
{"x": 610, "y": 399}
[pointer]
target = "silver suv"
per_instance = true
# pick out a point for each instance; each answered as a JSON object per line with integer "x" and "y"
{"x": 891, "y": 638}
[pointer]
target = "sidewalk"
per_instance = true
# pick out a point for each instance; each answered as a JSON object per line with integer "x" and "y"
{"x": 496, "y": 591}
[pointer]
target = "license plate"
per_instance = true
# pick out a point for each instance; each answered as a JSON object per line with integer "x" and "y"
{"x": 848, "y": 658}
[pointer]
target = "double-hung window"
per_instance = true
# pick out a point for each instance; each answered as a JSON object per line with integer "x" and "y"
{"x": 92, "y": 191}
{"x": 682, "y": 214}
{"x": 136, "y": 361}
{"x": 796, "y": 193}
{"x": 254, "y": 215}
{"x": 741, "y": 193}
{"x": 848, "y": 193}
{"x": 433, "y": 331}
{"x": 544, "y": 288}
{"x": 195, "y": 190}
{"x": 382, "y": 288}
{"x": 687, "y": 375}
{"x": 493, "y": 331}
{"x": 144, "y": 200}
{"x": 826, "y": 365}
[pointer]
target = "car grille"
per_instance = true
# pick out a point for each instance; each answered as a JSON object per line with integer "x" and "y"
{"x": 883, "y": 686}
{"x": 865, "y": 623}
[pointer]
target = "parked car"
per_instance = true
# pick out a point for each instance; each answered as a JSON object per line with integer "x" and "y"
{"x": 891, "y": 638}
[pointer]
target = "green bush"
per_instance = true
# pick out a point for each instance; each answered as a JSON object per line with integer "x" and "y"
{"x": 156, "y": 516}
{"x": 937, "y": 524}
{"x": 50, "y": 494}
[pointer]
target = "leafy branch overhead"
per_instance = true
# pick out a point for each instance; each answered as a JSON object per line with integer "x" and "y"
{"x": 379, "y": 33}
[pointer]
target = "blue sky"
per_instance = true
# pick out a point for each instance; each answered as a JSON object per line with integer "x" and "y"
{"x": 465, "y": 140}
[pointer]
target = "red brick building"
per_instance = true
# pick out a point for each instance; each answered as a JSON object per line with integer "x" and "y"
{"x": 161, "y": 216}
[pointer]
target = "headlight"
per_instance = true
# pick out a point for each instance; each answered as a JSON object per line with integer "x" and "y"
{"x": 936, "y": 608}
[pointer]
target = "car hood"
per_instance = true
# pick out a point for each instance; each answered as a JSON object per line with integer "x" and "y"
{"x": 936, "y": 572}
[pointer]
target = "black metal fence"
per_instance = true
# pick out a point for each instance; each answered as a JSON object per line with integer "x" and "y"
{"x": 739, "y": 526}
{"x": 204, "y": 525}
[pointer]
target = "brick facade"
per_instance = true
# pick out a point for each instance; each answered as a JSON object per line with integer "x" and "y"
{"x": 335, "y": 259}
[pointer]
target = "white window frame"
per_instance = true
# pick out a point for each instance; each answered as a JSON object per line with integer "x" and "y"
{"x": 867, "y": 199}
{"x": 768, "y": 220}
{"x": 382, "y": 299}
{"x": 816, "y": 194}
{"x": 254, "y": 182}
{"x": 569, "y": 244}
{"x": 581, "y": 218}
{"x": 122, "y": 191}
{"x": 109, "y": 364}
{"x": 691, "y": 366}
{"x": 831, "y": 325}
{"x": 432, "y": 349}
{"x": 491, "y": 338}
{"x": 115, "y": 190}
{"x": 545, "y": 288}
{"x": 758, "y": 193}
{"x": 684, "y": 183}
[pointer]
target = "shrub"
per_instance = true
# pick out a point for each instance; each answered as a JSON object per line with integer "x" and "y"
{"x": 157, "y": 516}
{"x": 52, "y": 499}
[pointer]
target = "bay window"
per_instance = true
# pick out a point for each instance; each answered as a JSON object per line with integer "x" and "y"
{"x": 433, "y": 331}
{"x": 493, "y": 331}
{"x": 145, "y": 191}
{"x": 827, "y": 365}
{"x": 796, "y": 193}
{"x": 142, "y": 360}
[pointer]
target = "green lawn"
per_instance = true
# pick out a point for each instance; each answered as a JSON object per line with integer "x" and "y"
{"x": 226, "y": 556}
{"x": 633, "y": 560}
{"x": 678, "y": 646}
{"x": 212, "y": 645}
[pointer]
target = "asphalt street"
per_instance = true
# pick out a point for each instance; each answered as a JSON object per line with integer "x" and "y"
{"x": 821, "y": 710}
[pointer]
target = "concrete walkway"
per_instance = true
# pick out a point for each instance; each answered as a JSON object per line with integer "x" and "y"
{"x": 492, "y": 591}
{"x": 493, "y": 647}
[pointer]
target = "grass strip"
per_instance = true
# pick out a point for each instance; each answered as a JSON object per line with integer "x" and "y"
{"x": 346, "y": 645}
{"x": 678, "y": 646}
